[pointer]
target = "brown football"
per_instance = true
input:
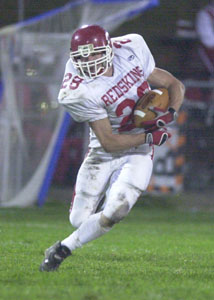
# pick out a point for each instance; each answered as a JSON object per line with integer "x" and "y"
{"x": 154, "y": 98}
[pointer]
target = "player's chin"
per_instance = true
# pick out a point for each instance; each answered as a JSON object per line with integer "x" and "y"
{"x": 93, "y": 72}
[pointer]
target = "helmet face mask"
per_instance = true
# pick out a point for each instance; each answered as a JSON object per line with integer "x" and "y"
{"x": 88, "y": 42}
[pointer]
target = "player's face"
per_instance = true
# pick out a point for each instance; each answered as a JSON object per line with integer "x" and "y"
{"x": 92, "y": 63}
{"x": 90, "y": 59}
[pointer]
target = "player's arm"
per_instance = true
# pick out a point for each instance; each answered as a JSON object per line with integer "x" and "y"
{"x": 114, "y": 142}
{"x": 118, "y": 142}
{"x": 161, "y": 78}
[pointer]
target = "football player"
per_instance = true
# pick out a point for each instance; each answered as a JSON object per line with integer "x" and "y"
{"x": 103, "y": 80}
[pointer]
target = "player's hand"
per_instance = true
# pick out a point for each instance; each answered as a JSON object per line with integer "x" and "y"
{"x": 157, "y": 137}
{"x": 163, "y": 118}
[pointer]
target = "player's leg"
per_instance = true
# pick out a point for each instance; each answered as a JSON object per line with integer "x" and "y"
{"x": 88, "y": 231}
{"x": 89, "y": 182}
{"x": 132, "y": 180}
{"x": 122, "y": 196}
{"x": 92, "y": 179}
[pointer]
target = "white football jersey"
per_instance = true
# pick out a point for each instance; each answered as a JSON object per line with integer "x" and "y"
{"x": 110, "y": 97}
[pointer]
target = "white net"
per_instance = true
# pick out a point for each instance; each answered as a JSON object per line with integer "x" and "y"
{"x": 32, "y": 126}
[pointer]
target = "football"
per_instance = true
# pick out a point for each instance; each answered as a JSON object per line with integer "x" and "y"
{"x": 154, "y": 98}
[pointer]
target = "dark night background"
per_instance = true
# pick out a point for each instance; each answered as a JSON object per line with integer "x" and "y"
{"x": 161, "y": 19}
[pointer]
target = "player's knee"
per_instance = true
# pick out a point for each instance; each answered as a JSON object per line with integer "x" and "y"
{"x": 105, "y": 222}
{"x": 77, "y": 218}
{"x": 74, "y": 220}
{"x": 83, "y": 206}
{"x": 120, "y": 212}
{"x": 117, "y": 215}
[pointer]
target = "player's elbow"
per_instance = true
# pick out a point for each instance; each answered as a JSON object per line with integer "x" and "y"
{"x": 178, "y": 89}
{"x": 176, "y": 84}
{"x": 182, "y": 87}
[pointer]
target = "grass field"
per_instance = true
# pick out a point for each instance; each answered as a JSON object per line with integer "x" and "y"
{"x": 157, "y": 252}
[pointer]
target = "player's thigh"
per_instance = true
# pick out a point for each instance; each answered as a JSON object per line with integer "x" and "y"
{"x": 137, "y": 171}
{"x": 128, "y": 185}
{"x": 92, "y": 179}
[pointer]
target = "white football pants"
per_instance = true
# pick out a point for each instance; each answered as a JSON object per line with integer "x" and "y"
{"x": 120, "y": 179}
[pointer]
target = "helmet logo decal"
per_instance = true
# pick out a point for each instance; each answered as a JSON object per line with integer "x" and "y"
{"x": 86, "y": 50}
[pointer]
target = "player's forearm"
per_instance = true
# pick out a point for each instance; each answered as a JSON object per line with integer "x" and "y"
{"x": 115, "y": 142}
{"x": 120, "y": 142}
{"x": 176, "y": 94}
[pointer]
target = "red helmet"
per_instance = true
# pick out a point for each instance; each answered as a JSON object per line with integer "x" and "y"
{"x": 91, "y": 40}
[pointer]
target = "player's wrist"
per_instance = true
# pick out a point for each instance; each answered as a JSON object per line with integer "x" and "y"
{"x": 173, "y": 112}
{"x": 148, "y": 138}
